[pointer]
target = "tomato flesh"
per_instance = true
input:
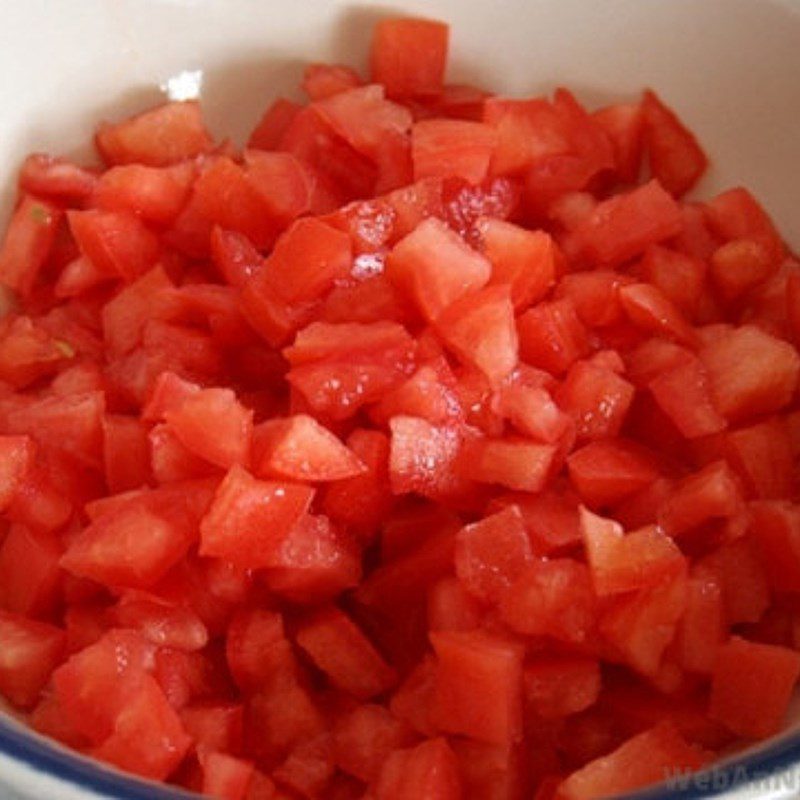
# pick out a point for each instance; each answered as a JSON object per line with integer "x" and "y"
{"x": 430, "y": 446}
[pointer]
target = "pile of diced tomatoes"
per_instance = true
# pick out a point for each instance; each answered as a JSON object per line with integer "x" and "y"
{"x": 431, "y": 447}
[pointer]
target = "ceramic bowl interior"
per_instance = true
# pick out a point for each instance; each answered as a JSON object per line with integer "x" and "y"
{"x": 730, "y": 67}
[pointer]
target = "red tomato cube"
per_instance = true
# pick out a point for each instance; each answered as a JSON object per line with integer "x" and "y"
{"x": 446, "y": 148}
{"x": 299, "y": 448}
{"x": 428, "y": 770}
{"x": 621, "y": 562}
{"x": 408, "y": 56}
{"x": 626, "y": 225}
{"x": 557, "y": 686}
{"x": 527, "y": 260}
{"x": 478, "y": 686}
{"x": 752, "y": 685}
{"x": 435, "y": 267}
{"x": 344, "y": 654}
{"x": 649, "y": 757}
{"x": 479, "y": 328}
{"x": 551, "y": 336}
{"x": 249, "y": 519}
{"x": 34, "y": 590}
{"x": 675, "y": 157}
{"x": 490, "y": 554}
{"x": 750, "y": 372}
{"x": 552, "y": 598}
{"x": 29, "y": 652}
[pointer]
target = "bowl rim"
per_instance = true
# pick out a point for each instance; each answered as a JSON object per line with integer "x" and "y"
{"x": 723, "y": 778}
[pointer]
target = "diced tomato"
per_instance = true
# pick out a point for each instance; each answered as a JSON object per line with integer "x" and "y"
{"x": 365, "y": 738}
{"x": 428, "y": 770}
{"x": 479, "y": 328}
{"x": 324, "y": 80}
{"x": 491, "y": 554}
{"x": 683, "y": 394}
{"x": 435, "y": 267}
{"x": 527, "y": 260}
{"x": 115, "y": 242}
{"x": 745, "y": 589}
{"x": 594, "y": 296}
{"x": 315, "y": 562}
{"x": 624, "y": 126}
{"x": 607, "y": 471}
{"x": 649, "y": 757}
{"x": 269, "y": 132}
{"x": 29, "y": 652}
{"x": 214, "y": 727}
{"x": 155, "y": 194}
{"x": 550, "y": 517}
{"x": 148, "y": 738}
{"x": 752, "y": 685}
{"x": 17, "y": 455}
{"x": 596, "y": 398}
{"x": 28, "y": 352}
{"x": 213, "y": 424}
{"x": 626, "y": 225}
{"x": 34, "y": 590}
{"x": 750, "y": 372}
{"x": 165, "y": 135}
{"x": 133, "y": 546}
{"x": 225, "y": 776}
{"x": 452, "y": 608}
{"x": 340, "y": 649}
{"x": 736, "y": 214}
{"x": 556, "y": 686}
{"x": 650, "y": 310}
{"x": 551, "y": 336}
{"x": 478, "y": 686}
{"x": 27, "y": 243}
{"x": 299, "y": 448}
{"x": 703, "y": 627}
{"x": 443, "y": 148}
{"x": 408, "y": 56}
{"x": 552, "y": 598}
{"x": 640, "y": 626}
{"x": 249, "y": 519}
{"x": 676, "y": 159}
{"x": 621, "y": 562}
{"x": 761, "y": 456}
{"x": 513, "y": 462}
{"x": 775, "y": 527}
{"x": 45, "y": 176}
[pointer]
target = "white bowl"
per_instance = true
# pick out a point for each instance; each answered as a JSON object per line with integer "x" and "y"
{"x": 730, "y": 67}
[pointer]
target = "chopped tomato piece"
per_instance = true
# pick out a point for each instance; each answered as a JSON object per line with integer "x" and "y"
{"x": 34, "y": 590}
{"x": 408, "y": 56}
{"x": 551, "y": 336}
{"x": 752, "y": 685}
{"x": 435, "y": 267}
{"x": 165, "y": 135}
{"x": 478, "y": 686}
{"x": 299, "y": 448}
{"x": 621, "y": 562}
{"x": 249, "y": 519}
{"x": 649, "y": 757}
{"x": 443, "y": 148}
{"x": 339, "y": 648}
{"x": 676, "y": 159}
{"x": 556, "y": 686}
{"x": 29, "y": 652}
{"x": 491, "y": 554}
{"x": 428, "y": 770}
